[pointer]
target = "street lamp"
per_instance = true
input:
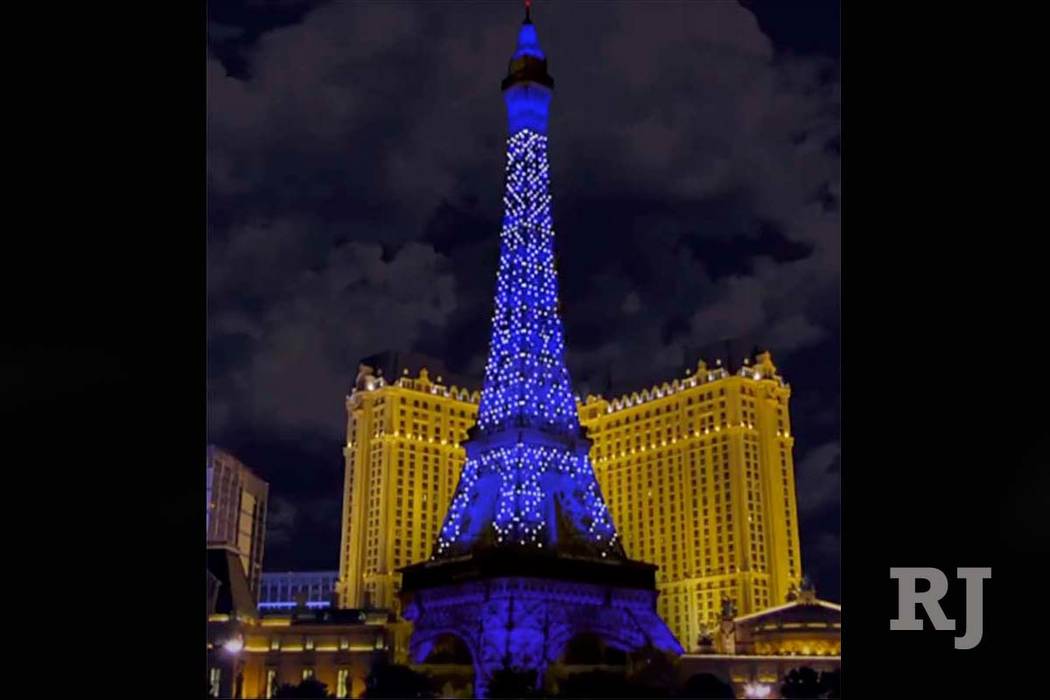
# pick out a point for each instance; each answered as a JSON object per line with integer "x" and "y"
{"x": 233, "y": 646}
{"x": 757, "y": 690}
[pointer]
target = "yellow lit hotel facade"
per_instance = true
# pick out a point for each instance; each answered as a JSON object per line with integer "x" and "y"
{"x": 403, "y": 459}
{"x": 697, "y": 472}
{"x": 699, "y": 478}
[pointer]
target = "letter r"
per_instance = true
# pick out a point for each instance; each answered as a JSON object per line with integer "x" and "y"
{"x": 908, "y": 598}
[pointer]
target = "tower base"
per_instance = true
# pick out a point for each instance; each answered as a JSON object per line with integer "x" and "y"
{"x": 527, "y": 621}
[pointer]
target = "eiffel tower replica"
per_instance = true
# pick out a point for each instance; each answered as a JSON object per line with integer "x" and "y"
{"x": 528, "y": 556}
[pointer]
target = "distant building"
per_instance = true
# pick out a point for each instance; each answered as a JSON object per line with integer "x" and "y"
{"x": 250, "y": 653}
{"x": 755, "y": 652}
{"x": 292, "y": 589}
{"x": 804, "y": 626}
{"x": 251, "y": 658}
{"x": 236, "y": 511}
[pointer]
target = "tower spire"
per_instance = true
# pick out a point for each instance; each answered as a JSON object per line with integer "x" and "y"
{"x": 528, "y": 7}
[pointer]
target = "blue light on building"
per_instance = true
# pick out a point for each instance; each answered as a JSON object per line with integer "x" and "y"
{"x": 285, "y": 590}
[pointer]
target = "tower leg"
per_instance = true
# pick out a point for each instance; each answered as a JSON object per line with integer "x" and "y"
{"x": 526, "y": 623}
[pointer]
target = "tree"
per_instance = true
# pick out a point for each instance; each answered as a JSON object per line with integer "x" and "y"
{"x": 653, "y": 673}
{"x": 601, "y": 683}
{"x": 831, "y": 682}
{"x": 584, "y": 649}
{"x": 307, "y": 688}
{"x": 510, "y": 682}
{"x": 597, "y": 684}
{"x": 802, "y": 683}
{"x": 706, "y": 685}
{"x": 388, "y": 680}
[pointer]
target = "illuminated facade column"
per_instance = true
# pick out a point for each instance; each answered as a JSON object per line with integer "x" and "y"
{"x": 352, "y": 532}
{"x": 778, "y": 475}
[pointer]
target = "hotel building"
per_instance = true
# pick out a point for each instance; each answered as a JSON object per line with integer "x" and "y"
{"x": 697, "y": 472}
{"x": 699, "y": 478}
{"x": 403, "y": 459}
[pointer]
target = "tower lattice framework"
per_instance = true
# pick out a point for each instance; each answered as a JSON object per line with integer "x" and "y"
{"x": 528, "y": 556}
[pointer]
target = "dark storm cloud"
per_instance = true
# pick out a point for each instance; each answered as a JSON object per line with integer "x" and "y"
{"x": 355, "y": 162}
{"x": 281, "y": 515}
{"x": 308, "y": 338}
{"x": 817, "y": 477}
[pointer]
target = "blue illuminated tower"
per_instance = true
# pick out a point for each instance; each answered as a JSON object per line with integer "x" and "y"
{"x": 528, "y": 556}
{"x": 528, "y": 479}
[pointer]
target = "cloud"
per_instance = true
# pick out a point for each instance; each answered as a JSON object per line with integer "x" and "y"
{"x": 218, "y": 32}
{"x": 822, "y": 557}
{"x": 632, "y": 304}
{"x": 281, "y": 515}
{"x": 677, "y": 130}
{"x": 817, "y": 478}
{"x": 819, "y": 491}
{"x": 303, "y": 345}
{"x": 794, "y": 332}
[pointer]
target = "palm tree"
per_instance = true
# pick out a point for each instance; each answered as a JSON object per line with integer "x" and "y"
{"x": 388, "y": 680}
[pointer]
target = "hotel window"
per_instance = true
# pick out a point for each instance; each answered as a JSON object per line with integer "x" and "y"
{"x": 308, "y": 673}
{"x": 271, "y": 682}
{"x": 308, "y": 643}
{"x": 342, "y": 683}
{"x": 275, "y": 644}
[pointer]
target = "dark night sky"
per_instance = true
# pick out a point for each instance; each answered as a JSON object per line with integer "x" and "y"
{"x": 355, "y": 161}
